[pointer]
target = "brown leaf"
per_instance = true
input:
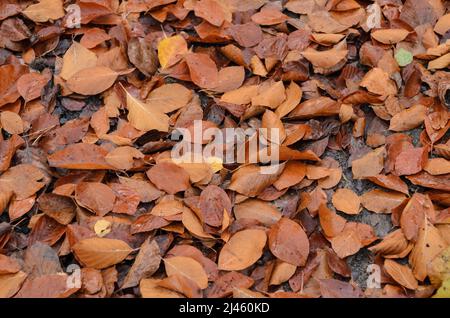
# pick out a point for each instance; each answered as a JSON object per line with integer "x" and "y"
{"x": 347, "y": 201}
{"x": 402, "y": 274}
{"x": 8, "y": 265}
{"x": 186, "y": 267}
{"x": 142, "y": 54}
{"x": 214, "y": 202}
{"x": 77, "y": 58}
{"x": 250, "y": 181}
{"x": 429, "y": 244}
{"x": 80, "y": 156}
{"x": 24, "y": 180}
{"x": 225, "y": 284}
{"x": 288, "y": 242}
{"x": 123, "y": 157}
{"x": 203, "y": 70}
{"x": 437, "y": 166}
{"x": 144, "y": 117}
{"x": 379, "y": 201}
{"x": 101, "y": 253}
{"x": 332, "y": 224}
{"x": 95, "y": 196}
{"x": 315, "y": 107}
{"x": 60, "y": 208}
{"x": 11, "y": 122}
{"x": 11, "y": 283}
{"x": 146, "y": 264}
{"x": 168, "y": 98}
{"x": 269, "y": 16}
{"x": 242, "y": 250}
{"x": 409, "y": 118}
{"x": 210, "y": 10}
{"x": 150, "y": 289}
{"x": 391, "y": 182}
{"x": 47, "y": 286}
{"x": 259, "y": 210}
{"x": 169, "y": 177}
{"x": 293, "y": 173}
{"x": 389, "y": 36}
{"x": 10, "y": 73}
{"x": 369, "y": 165}
{"x": 273, "y": 127}
{"x": 45, "y": 10}
{"x": 92, "y": 81}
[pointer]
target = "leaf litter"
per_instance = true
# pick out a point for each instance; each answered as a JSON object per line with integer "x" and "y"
{"x": 359, "y": 94}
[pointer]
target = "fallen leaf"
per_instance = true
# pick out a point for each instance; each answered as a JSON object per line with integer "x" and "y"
{"x": 259, "y": 210}
{"x": 101, "y": 253}
{"x": 24, "y": 180}
{"x": 95, "y": 196}
{"x": 242, "y": 250}
{"x": 203, "y": 70}
{"x": 369, "y": 165}
{"x": 80, "y": 156}
{"x": 347, "y": 201}
{"x": 11, "y": 122}
{"x": 187, "y": 267}
{"x": 380, "y": 201}
{"x": 409, "y": 118}
{"x": 389, "y": 36}
{"x": 146, "y": 264}
{"x": 123, "y": 157}
{"x": 92, "y": 81}
{"x": 143, "y": 117}
{"x": 11, "y": 283}
{"x": 45, "y": 10}
{"x": 402, "y": 274}
{"x": 288, "y": 242}
{"x": 169, "y": 177}
{"x": 171, "y": 50}
{"x": 251, "y": 181}
{"x": 77, "y": 58}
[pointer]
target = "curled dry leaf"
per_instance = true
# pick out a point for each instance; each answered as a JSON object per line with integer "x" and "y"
{"x": 288, "y": 242}
{"x": 242, "y": 250}
{"x": 101, "y": 253}
{"x": 393, "y": 245}
{"x": 324, "y": 60}
{"x": 347, "y": 201}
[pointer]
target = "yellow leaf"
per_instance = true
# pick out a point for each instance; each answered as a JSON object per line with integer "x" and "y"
{"x": 170, "y": 50}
